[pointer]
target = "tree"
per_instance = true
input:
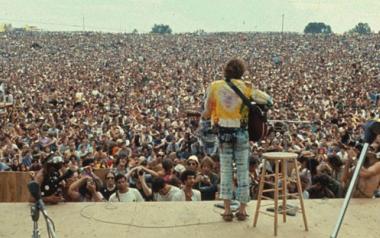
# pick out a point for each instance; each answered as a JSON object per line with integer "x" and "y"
{"x": 135, "y": 31}
{"x": 8, "y": 27}
{"x": 200, "y": 32}
{"x": 317, "y": 27}
{"x": 161, "y": 29}
{"x": 361, "y": 28}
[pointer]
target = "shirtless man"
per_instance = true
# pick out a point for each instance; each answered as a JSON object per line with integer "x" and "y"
{"x": 369, "y": 177}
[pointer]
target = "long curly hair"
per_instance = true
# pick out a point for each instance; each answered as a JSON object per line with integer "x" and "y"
{"x": 234, "y": 69}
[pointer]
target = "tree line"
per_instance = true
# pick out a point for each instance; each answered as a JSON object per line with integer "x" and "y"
{"x": 320, "y": 27}
{"x": 311, "y": 28}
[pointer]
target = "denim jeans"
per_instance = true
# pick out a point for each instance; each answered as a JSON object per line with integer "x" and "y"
{"x": 234, "y": 147}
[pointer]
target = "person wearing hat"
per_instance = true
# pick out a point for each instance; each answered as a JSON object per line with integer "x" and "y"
{"x": 179, "y": 169}
{"x": 51, "y": 180}
{"x": 192, "y": 163}
{"x": 228, "y": 113}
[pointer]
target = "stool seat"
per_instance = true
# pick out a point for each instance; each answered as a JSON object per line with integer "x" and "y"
{"x": 279, "y": 155}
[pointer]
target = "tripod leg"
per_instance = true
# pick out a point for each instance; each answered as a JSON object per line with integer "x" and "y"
{"x": 36, "y": 232}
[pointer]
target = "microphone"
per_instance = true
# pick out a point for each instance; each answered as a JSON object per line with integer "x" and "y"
{"x": 34, "y": 189}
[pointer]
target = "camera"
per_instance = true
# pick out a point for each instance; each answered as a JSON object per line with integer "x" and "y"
{"x": 141, "y": 172}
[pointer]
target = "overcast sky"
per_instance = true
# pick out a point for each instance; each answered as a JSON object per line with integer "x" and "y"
{"x": 189, "y": 15}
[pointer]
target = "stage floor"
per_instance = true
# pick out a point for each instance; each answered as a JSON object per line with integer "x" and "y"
{"x": 188, "y": 219}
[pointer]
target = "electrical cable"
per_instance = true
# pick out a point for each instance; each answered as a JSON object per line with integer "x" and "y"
{"x": 108, "y": 207}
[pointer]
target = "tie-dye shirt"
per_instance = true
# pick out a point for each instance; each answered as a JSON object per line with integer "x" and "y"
{"x": 226, "y": 108}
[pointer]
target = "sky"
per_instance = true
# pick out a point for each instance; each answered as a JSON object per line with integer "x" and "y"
{"x": 189, "y": 15}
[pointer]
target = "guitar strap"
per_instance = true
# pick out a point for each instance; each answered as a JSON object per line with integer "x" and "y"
{"x": 253, "y": 108}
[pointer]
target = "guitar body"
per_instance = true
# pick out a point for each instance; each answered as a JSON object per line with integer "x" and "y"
{"x": 257, "y": 123}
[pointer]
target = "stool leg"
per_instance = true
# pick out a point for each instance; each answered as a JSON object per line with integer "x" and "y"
{"x": 259, "y": 195}
{"x": 300, "y": 195}
{"x": 276, "y": 197}
{"x": 284, "y": 188}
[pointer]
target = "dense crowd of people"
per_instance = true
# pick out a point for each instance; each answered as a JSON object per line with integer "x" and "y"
{"x": 130, "y": 103}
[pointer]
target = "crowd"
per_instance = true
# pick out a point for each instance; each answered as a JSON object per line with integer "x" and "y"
{"x": 130, "y": 103}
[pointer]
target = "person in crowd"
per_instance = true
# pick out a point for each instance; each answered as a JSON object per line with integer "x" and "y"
{"x": 121, "y": 164}
{"x": 192, "y": 163}
{"x": 254, "y": 176}
{"x": 369, "y": 177}
{"x": 167, "y": 172}
{"x": 209, "y": 180}
{"x": 320, "y": 188}
{"x": 188, "y": 181}
{"x": 141, "y": 184}
{"x": 85, "y": 189}
{"x": 124, "y": 193}
{"x": 52, "y": 180}
{"x": 162, "y": 191}
{"x": 110, "y": 185}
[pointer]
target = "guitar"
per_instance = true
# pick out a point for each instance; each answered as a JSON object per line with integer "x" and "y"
{"x": 257, "y": 116}
{"x": 257, "y": 122}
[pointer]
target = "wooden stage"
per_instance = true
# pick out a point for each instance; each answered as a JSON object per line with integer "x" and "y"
{"x": 187, "y": 219}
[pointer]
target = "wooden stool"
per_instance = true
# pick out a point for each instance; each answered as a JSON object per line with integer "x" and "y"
{"x": 278, "y": 157}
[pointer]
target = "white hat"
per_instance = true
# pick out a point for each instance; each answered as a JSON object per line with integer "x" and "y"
{"x": 179, "y": 168}
{"x": 194, "y": 158}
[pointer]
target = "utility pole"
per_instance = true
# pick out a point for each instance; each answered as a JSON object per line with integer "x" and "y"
{"x": 282, "y": 26}
{"x": 83, "y": 24}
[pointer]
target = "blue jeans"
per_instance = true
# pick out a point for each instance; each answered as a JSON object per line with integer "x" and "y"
{"x": 234, "y": 146}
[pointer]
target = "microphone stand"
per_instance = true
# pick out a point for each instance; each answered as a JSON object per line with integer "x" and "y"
{"x": 35, "y": 213}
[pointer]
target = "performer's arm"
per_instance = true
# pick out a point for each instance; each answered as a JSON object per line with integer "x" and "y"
{"x": 261, "y": 97}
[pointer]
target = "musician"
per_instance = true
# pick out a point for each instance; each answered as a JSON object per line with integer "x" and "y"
{"x": 228, "y": 113}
